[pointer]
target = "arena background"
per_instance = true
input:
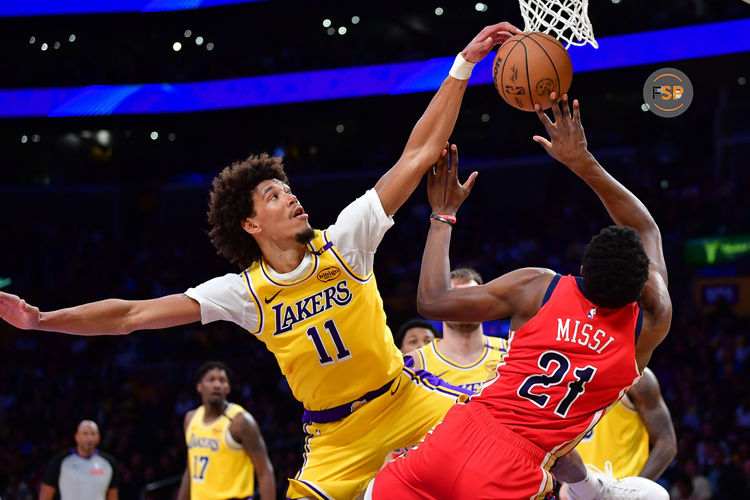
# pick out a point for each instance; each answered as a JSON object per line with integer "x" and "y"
{"x": 100, "y": 206}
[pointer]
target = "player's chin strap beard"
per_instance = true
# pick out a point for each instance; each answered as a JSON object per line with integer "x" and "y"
{"x": 304, "y": 237}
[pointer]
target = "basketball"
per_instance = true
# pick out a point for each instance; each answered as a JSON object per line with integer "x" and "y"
{"x": 528, "y": 67}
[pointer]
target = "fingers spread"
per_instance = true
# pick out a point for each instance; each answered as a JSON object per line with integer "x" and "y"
{"x": 470, "y": 181}
{"x": 565, "y": 108}
{"x": 555, "y": 106}
{"x": 542, "y": 116}
{"x": 542, "y": 142}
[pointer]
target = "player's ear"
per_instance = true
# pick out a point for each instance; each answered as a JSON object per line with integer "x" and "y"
{"x": 580, "y": 271}
{"x": 250, "y": 225}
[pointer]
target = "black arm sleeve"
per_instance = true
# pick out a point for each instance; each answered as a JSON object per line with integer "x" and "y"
{"x": 115, "y": 482}
{"x": 52, "y": 474}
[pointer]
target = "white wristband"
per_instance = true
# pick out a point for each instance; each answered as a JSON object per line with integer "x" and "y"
{"x": 461, "y": 69}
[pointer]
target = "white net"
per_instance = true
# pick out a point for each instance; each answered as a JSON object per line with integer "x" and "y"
{"x": 566, "y": 20}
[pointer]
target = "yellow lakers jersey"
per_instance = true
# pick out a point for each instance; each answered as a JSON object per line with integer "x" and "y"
{"x": 219, "y": 466}
{"x": 326, "y": 329}
{"x": 470, "y": 376}
{"x": 621, "y": 438}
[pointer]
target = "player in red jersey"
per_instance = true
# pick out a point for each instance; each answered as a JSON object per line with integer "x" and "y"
{"x": 576, "y": 344}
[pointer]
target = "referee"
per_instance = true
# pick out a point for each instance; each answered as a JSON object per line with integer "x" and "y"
{"x": 83, "y": 472}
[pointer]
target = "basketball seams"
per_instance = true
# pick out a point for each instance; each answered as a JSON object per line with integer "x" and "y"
{"x": 551, "y": 61}
{"x": 505, "y": 61}
{"x": 526, "y": 61}
{"x": 511, "y": 88}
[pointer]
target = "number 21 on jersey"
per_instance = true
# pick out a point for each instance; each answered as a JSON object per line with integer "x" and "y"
{"x": 561, "y": 364}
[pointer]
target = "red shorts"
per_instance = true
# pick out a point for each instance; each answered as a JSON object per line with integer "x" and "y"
{"x": 469, "y": 455}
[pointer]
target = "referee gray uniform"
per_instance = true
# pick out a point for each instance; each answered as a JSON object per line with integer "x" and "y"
{"x": 77, "y": 478}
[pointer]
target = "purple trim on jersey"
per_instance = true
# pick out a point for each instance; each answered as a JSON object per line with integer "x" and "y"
{"x": 314, "y": 488}
{"x": 325, "y": 247}
{"x": 434, "y": 382}
{"x": 75, "y": 452}
{"x": 344, "y": 410}
{"x": 277, "y": 283}
{"x": 257, "y": 302}
{"x": 306, "y": 446}
{"x": 341, "y": 260}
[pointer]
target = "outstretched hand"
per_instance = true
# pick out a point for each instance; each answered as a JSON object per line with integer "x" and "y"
{"x": 567, "y": 142}
{"x": 444, "y": 190}
{"x": 15, "y": 310}
{"x": 490, "y": 36}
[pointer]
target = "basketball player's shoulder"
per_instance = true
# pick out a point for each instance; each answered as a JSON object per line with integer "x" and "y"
{"x": 496, "y": 343}
{"x": 234, "y": 409}
{"x": 189, "y": 416}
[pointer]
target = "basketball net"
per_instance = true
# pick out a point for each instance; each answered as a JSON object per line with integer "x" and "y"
{"x": 566, "y": 20}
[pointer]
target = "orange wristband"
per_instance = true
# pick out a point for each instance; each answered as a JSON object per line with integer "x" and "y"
{"x": 447, "y": 219}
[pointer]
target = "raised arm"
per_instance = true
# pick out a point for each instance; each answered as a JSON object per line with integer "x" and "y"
{"x": 568, "y": 145}
{"x": 517, "y": 294}
{"x": 436, "y": 124}
{"x": 105, "y": 317}
{"x": 245, "y": 430}
{"x": 650, "y": 405}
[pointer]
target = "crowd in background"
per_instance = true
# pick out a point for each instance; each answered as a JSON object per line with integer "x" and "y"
{"x": 139, "y": 387}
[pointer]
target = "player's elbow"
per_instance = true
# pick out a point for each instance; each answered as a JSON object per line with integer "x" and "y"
{"x": 427, "y": 306}
{"x": 669, "y": 445}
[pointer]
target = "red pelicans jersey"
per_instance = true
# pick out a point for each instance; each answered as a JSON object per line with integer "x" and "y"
{"x": 564, "y": 368}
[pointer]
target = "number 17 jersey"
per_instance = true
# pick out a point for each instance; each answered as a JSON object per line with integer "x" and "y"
{"x": 565, "y": 367}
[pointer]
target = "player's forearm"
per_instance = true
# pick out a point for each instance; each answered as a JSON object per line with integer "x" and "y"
{"x": 428, "y": 137}
{"x": 184, "y": 492}
{"x": 105, "y": 317}
{"x": 424, "y": 146}
{"x": 434, "y": 276}
{"x": 267, "y": 485}
{"x": 622, "y": 205}
{"x": 661, "y": 455}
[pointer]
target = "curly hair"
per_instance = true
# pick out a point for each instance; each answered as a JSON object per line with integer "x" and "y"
{"x": 231, "y": 202}
{"x": 614, "y": 267}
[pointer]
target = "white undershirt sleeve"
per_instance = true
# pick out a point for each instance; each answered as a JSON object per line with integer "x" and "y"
{"x": 358, "y": 231}
{"x": 225, "y": 298}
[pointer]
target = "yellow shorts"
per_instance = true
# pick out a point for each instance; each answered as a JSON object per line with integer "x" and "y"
{"x": 341, "y": 457}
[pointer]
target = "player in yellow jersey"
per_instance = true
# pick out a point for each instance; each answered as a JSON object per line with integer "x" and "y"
{"x": 311, "y": 297}
{"x": 621, "y": 439}
{"x": 224, "y": 445}
{"x": 465, "y": 356}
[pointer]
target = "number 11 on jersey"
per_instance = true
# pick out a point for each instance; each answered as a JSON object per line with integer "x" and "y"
{"x": 342, "y": 353}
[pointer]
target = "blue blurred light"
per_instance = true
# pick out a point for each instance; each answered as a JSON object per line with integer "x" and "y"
{"x": 18, "y": 8}
{"x": 385, "y": 79}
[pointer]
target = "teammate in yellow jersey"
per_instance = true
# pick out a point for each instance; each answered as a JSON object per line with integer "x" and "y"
{"x": 621, "y": 439}
{"x": 224, "y": 445}
{"x": 465, "y": 356}
{"x": 311, "y": 297}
